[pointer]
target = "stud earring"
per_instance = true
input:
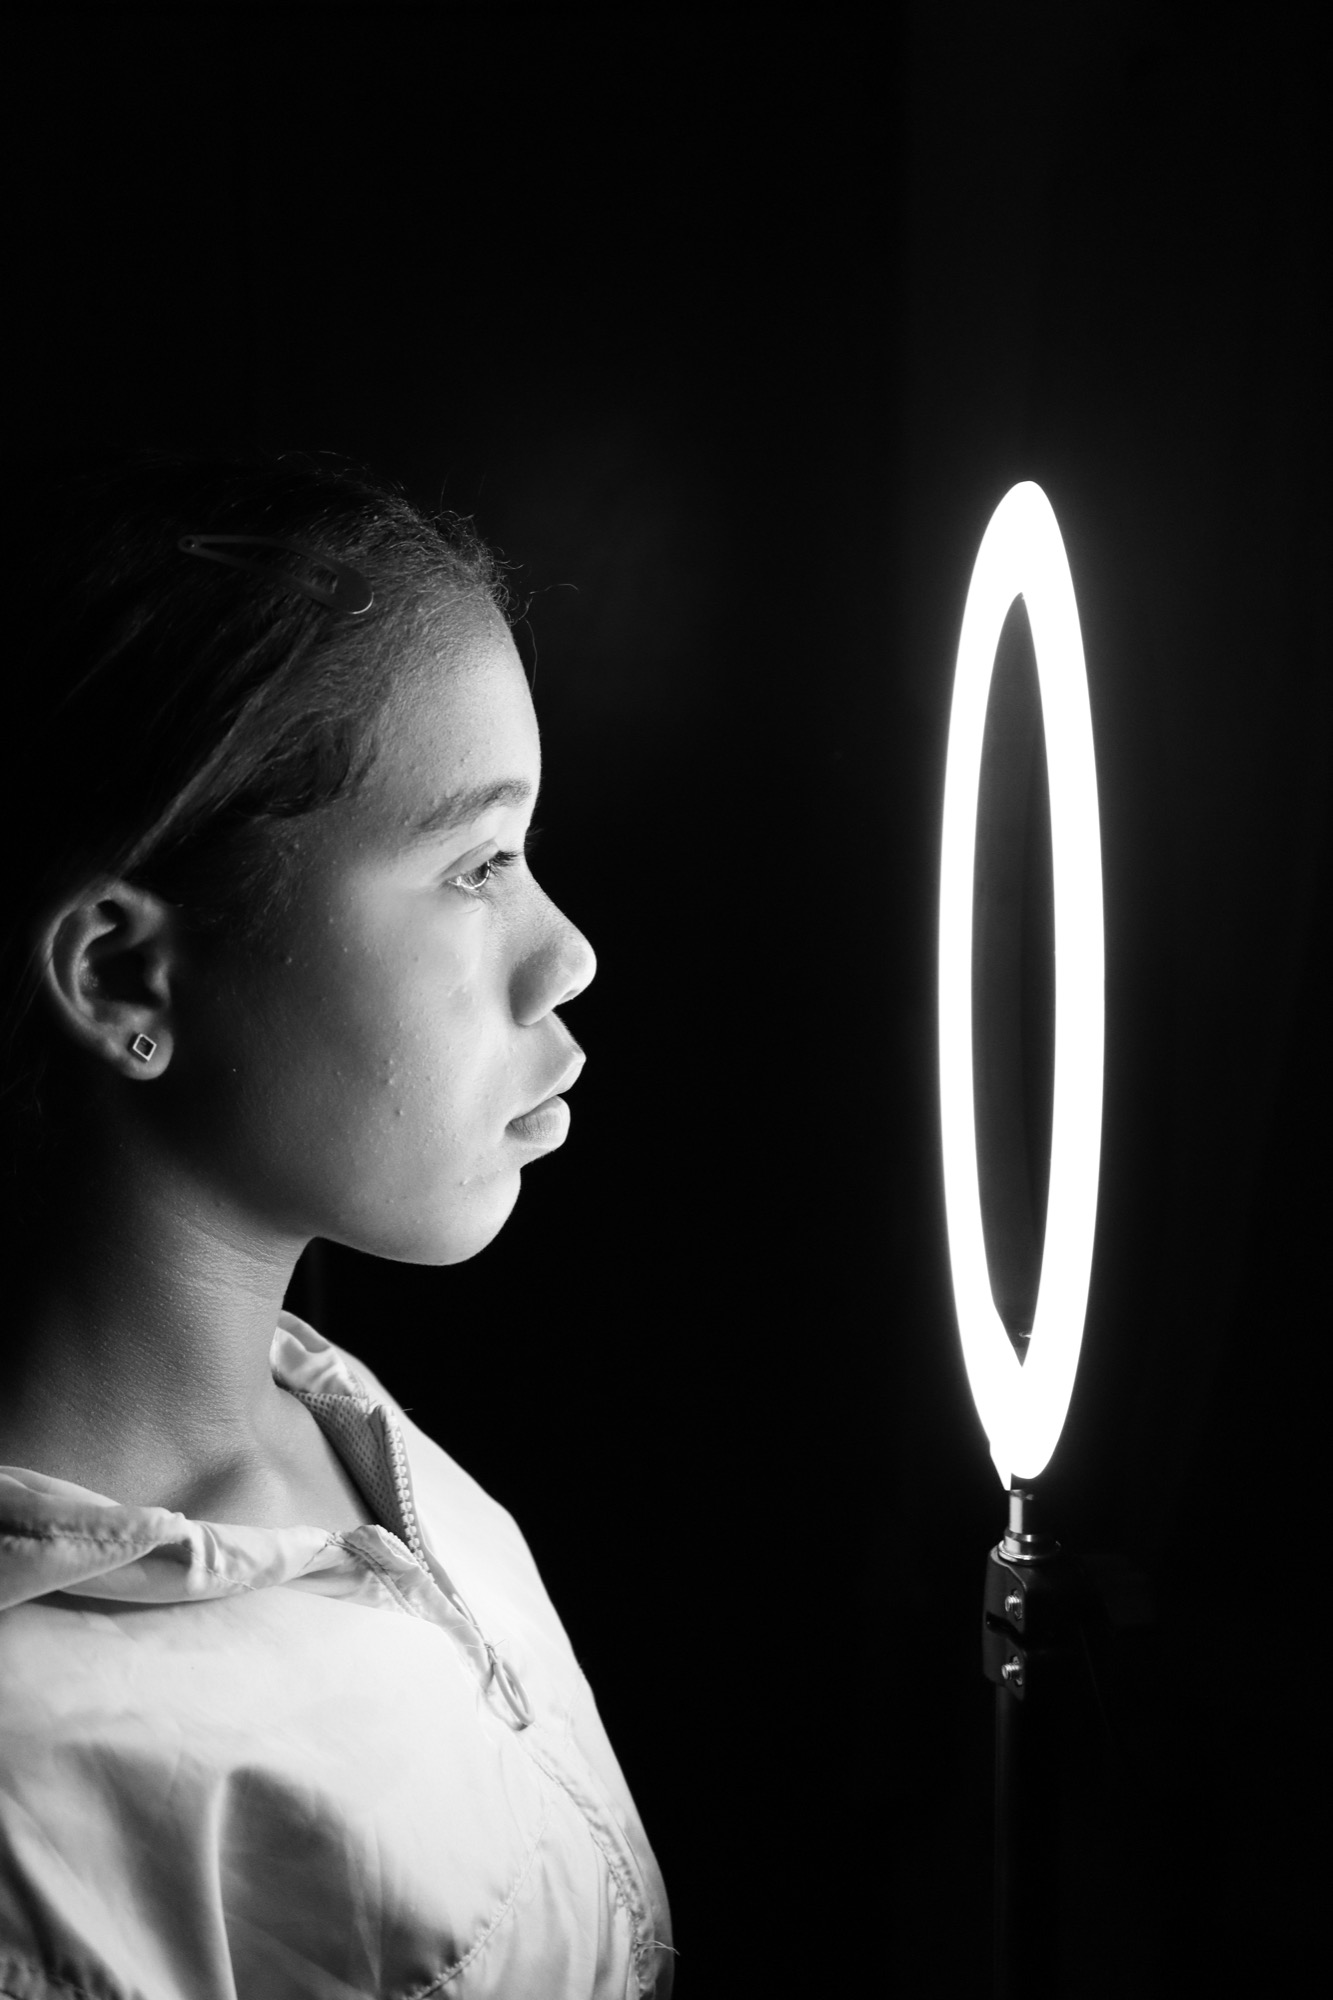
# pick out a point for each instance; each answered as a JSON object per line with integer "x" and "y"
{"x": 144, "y": 1047}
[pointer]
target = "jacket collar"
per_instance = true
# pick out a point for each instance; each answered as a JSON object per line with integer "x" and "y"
{"x": 55, "y": 1536}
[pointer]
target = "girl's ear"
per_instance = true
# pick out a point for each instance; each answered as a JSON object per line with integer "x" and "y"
{"x": 108, "y": 958}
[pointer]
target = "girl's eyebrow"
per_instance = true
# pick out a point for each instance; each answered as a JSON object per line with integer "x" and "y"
{"x": 460, "y": 807}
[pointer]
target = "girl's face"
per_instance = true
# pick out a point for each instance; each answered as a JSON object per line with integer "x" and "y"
{"x": 376, "y": 1080}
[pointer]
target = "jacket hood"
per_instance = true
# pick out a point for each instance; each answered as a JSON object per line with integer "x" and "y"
{"x": 55, "y": 1536}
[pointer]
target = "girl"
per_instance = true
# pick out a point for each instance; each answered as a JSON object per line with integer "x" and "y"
{"x": 284, "y": 1707}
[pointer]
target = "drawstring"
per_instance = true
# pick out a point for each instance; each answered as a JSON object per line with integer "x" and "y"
{"x": 511, "y": 1687}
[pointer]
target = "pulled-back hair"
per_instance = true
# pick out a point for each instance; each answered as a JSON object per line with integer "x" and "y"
{"x": 169, "y": 717}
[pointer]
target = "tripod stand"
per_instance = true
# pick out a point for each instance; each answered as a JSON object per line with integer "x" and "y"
{"x": 1040, "y": 1623}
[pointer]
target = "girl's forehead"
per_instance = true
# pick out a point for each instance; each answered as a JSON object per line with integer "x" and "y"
{"x": 464, "y": 720}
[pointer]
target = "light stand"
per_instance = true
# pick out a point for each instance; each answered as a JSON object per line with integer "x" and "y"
{"x": 1032, "y": 1617}
{"x": 1034, "y": 1603}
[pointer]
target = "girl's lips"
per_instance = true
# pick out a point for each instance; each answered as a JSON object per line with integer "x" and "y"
{"x": 547, "y": 1124}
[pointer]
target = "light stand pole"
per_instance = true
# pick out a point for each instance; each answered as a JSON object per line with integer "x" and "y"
{"x": 1031, "y": 1618}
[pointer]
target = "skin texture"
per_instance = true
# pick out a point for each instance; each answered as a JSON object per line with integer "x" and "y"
{"x": 355, "y": 1082}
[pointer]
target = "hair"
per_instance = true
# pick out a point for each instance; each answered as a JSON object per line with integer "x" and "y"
{"x": 171, "y": 718}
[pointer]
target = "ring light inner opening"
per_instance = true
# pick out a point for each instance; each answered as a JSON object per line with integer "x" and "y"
{"x": 1013, "y": 981}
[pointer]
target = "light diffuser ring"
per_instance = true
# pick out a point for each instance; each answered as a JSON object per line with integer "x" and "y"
{"x": 1022, "y": 1405}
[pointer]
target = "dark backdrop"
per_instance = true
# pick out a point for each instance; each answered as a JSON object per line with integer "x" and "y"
{"x": 731, "y": 331}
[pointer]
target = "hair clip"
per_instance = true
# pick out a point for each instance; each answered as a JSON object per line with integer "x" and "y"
{"x": 334, "y": 584}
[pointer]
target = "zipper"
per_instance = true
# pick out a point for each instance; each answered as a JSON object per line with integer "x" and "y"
{"x": 402, "y": 1486}
{"x": 508, "y": 1682}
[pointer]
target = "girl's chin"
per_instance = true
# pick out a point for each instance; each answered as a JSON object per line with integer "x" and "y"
{"x": 472, "y": 1218}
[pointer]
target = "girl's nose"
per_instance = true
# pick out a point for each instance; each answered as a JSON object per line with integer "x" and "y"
{"x": 553, "y": 973}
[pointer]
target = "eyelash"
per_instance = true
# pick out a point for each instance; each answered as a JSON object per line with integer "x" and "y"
{"x": 504, "y": 859}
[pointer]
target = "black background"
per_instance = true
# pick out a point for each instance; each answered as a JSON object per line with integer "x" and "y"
{"x": 731, "y": 331}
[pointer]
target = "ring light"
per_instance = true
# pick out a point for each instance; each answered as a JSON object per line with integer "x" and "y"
{"x": 1022, "y": 1404}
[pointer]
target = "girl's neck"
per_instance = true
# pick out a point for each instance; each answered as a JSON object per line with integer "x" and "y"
{"x": 137, "y": 1356}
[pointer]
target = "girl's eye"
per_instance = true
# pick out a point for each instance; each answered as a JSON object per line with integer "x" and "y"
{"x": 475, "y": 881}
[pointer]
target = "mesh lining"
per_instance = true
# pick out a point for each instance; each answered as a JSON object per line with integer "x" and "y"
{"x": 347, "y": 1425}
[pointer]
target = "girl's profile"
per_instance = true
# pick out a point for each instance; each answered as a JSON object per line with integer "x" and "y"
{"x": 288, "y": 1709}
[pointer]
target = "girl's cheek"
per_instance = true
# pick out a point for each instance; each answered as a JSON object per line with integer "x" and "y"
{"x": 456, "y": 958}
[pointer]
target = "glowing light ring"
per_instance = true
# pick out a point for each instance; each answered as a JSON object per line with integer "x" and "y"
{"x": 1022, "y": 1405}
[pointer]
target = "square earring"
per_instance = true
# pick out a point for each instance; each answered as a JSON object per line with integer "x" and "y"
{"x": 144, "y": 1047}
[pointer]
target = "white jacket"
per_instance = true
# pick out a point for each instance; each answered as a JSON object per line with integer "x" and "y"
{"x": 251, "y": 1764}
